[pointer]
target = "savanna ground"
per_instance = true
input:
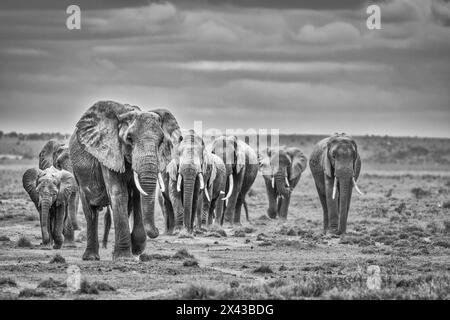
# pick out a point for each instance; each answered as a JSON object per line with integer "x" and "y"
{"x": 402, "y": 225}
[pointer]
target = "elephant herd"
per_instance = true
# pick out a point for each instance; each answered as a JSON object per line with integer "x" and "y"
{"x": 123, "y": 158}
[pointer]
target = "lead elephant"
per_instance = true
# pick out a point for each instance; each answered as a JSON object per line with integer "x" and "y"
{"x": 50, "y": 191}
{"x": 118, "y": 153}
{"x": 241, "y": 164}
{"x": 56, "y": 154}
{"x": 335, "y": 165}
{"x": 281, "y": 168}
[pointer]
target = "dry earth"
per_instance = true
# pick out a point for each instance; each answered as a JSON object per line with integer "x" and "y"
{"x": 402, "y": 225}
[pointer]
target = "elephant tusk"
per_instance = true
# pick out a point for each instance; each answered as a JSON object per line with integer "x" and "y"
{"x": 356, "y": 187}
{"x": 273, "y": 182}
{"x": 230, "y": 189}
{"x": 162, "y": 187}
{"x": 138, "y": 185}
{"x": 222, "y": 192}
{"x": 131, "y": 221}
{"x": 207, "y": 195}
{"x": 287, "y": 182}
{"x": 202, "y": 182}
{"x": 334, "y": 188}
{"x": 179, "y": 183}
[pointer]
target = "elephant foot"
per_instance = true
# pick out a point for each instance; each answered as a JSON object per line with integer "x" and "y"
{"x": 152, "y": 233}
{"x": 69, "y": 244}
{"x": 170, "y": 232}
{"x": 105, "y": 244}
{"x": 185, "y": 234}
{"x": 272, "y": 213}
{"x": 57, "y": 245}
{"x": 45, "y": 246}
{"x": 91, "y": 255}
{"x": 123, "y": 255}
{"x": 137, "y": 247}
{"x": 333, "y": 232}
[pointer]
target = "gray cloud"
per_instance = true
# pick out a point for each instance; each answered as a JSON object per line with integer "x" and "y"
{"x": 298, "y": 70}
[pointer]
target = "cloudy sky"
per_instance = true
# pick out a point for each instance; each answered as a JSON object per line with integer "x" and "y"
{"x": 299, "y": 66}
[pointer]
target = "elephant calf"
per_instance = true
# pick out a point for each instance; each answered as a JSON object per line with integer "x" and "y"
{"x": 335, "y": 165}
{"x": 281, "y": 169}
{"x": 56, "y": 154}
{"x": 50, "y": 190}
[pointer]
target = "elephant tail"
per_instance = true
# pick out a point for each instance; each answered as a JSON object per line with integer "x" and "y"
{"x": 246, "y": 211}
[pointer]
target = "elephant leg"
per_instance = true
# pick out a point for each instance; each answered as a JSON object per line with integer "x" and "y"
{"x": 205, "y": 211}
{"x": 138, "y": 235}
{"x": 278, "y": 206}
{"x": 271, "y": 196}
{"x": 199, "y": 211}
{"x": 107, "y": 227}
{"x": 332, "y": 206}
{"x": 219, "y": 211}
{"x": 283, "y": 211}
{"x": 237, "y": 213}
{"x": 68, "y": 232}
{"x": 177, "y": 205}
{"x": 118, "y": 196}
{"x": 91, "y": 215}
{"x": 163, "y": 208}
{"x": 231, "y": 206}
{"x": 323, "y": 201}
{"x": 170, "y": 216}
{"x": 73, "y": 209}
{"x": 210, "y": 211}
{"x": 58, "y": 226}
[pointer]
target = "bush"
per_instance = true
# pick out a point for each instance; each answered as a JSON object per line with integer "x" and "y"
{"x": 182, "y": 254}
{"x": 24, "y": 242}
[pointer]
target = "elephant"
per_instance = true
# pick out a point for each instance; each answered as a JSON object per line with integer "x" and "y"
{"x": 50, "y": 191}
{"x": 335, "y": 165}
{"x": 215, "y": 189}
{"x": 281, "y": 169}
{"x": 241, "y": 165}
{"x": 187, "y": 177}
{"x": 118, "y": 153}
{"x": 56, "y": 154}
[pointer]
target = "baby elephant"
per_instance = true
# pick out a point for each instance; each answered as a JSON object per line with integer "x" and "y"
{"x": 335, "y": 165}
{"x": 281, "y": 169}
{"x": 50, "y": 190}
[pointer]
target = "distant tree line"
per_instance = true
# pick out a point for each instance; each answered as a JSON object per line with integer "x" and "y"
{"x": 34, "y": 136}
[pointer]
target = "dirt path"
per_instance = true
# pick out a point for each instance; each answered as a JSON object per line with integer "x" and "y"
{"x": 400, "y": 226}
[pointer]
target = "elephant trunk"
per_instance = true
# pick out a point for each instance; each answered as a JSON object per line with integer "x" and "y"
{"x": 147, "y": 179}
{"x": 280, "y": 184}
{"x": 345, "y": 193}
{"x": 189, "y": 178}
{"x": 45, "y": 219}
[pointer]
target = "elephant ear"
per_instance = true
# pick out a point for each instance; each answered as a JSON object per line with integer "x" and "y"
{"x": 326, "y": 164}
{"x": 98, "y": 132}
{"x": 66, "y": 185}
{"x": 239, "y": 150}
{"x": 357, "y": 158}
{"x": 58, "y": 151}
{"x": 172, "y": 134}
{"x": 172, "y": 170}
{"x": 211, "y": 168}
{"x": 29, "y": 182}
{"x": 264, "y": 164}
{"x": 46, "y": 156}
{"x": 298, "y": 162}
